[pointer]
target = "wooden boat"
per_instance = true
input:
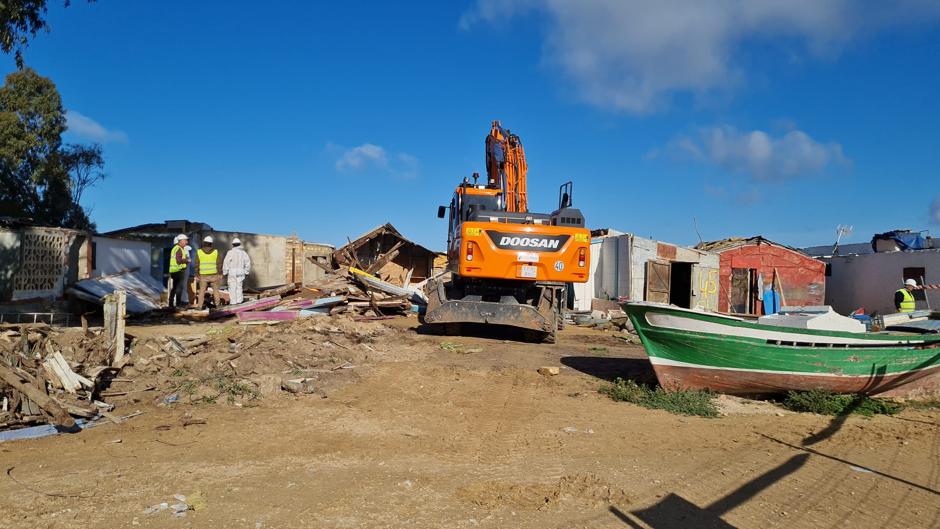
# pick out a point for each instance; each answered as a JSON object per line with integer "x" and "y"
{"x": 701, "y": 350}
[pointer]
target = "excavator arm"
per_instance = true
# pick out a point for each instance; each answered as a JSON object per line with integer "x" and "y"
{"x": 506, "y": 167}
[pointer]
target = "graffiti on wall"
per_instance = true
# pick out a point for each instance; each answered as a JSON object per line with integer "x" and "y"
{"x": 708, "y": 289}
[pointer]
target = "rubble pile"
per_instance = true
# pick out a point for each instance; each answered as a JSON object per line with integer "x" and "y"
{"x": 238, "y": 364}
{"x": 58, "y": 376}
{"x": 47, "y": 375}
{"x": 345, "y": 290}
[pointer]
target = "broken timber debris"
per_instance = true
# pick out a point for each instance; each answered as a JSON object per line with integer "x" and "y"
{"x": 115, "y": 311}
{"x": 25, "y": 385}
{"x": 258, "y": 304}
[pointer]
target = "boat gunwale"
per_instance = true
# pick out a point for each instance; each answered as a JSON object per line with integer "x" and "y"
{"x": 731, "y": 321}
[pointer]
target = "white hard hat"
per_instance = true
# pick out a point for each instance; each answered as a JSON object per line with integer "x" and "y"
{"x": 207, "y": 238}
{"x": 236, "y": 240}
{"x": 911, "y": 282}
{"x": 181, "y": 237}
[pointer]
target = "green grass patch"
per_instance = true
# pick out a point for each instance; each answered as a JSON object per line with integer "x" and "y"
{"x": 680, "y": 402}
{"x": 826, "y": 403}
{"x": 210, "y": 388}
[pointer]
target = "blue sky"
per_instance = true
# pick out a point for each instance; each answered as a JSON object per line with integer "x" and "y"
{"x": 781, "y": 118}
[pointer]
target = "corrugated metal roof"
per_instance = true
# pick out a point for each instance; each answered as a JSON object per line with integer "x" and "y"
{"x": 734, "y": 242}
{"x": 859, "y": 248}
{"x": 143, "y": 291}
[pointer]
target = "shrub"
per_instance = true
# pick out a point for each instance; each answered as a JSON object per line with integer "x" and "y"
{"x": 678, "y": 401}
{"x": 827, "y": 403}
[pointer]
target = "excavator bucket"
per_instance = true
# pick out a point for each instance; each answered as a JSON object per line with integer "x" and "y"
{"x": 540, "y": 318}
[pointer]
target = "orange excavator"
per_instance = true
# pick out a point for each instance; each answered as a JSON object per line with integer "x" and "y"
{"x": 508, "y": 266}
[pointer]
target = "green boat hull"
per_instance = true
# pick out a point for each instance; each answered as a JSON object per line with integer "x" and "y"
{"x": 699, "y": 350}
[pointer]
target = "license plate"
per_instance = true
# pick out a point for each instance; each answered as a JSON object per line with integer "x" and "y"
{"x": 528, "y": 272}
{"x": 527, "y": 257}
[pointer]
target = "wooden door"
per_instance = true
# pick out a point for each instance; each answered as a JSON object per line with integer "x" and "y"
{"x": 657, "y": 282}
{"x": 740, "y": 293}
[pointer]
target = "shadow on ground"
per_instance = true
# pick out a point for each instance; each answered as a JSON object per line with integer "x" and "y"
{"x": 675, "y": 512}
{"x": 480, "y": 330}
{"x": 610, "y": 368}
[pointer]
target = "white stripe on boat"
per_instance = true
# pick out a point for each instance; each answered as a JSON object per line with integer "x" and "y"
{"x": 669, "y": 321}
{"x": 676, "y": 363}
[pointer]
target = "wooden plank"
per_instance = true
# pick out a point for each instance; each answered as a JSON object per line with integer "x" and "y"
{"x": 47, "y": 403}
{"x": 383, "y": 259}
{"x": 352, "y": 259}
{"x": 294, "y": 304}
{"x": 324, "y": 266}
{"x": 779, "y": 287}
{"x": 281, "y": 290}
{"x": 115, "y": 310}
{"x": 71, "y": 382}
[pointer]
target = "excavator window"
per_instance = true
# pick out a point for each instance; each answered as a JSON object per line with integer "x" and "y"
{"x": 452, "y": 222}
{"x": 565, "y": 194}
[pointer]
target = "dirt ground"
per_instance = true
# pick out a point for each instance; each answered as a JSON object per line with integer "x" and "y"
{"x": 472, "y": 436}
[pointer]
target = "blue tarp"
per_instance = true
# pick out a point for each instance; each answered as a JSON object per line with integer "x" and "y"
{"x": 907, "y": 240}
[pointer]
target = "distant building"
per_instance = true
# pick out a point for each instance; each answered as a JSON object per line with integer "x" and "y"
{"x": 39, "y": 263}
{"x": 868, "y": 279}
{"x": 275, "y": 259}
{"x": 749, "y": 266}
{"x": 627, "y": 267}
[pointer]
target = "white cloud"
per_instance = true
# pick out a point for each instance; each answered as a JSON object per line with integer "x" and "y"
{"x": 935, "y": 211}
{"x": 85, "y": 127}
{"x": 632, "y": 55}
{"x": 362, "y": 157}
{"x": 369, "y": 156}
{"x": 758, "y": 154}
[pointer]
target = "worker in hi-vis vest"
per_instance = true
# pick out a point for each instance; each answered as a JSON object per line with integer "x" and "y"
{"x": 904, "y": 299}
{"x": 179, "y": 260}
{"x": 208, "y": 272}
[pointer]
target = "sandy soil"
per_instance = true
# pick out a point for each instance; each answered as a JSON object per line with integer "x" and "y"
{"x": 473, "y": 436}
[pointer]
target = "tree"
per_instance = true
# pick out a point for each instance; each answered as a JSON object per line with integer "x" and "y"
{"x": 21, "y": 20}
{"x": 41, "y": 178}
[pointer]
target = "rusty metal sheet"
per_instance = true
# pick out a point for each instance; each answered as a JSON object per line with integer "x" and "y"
{"x": 666, "y": 251}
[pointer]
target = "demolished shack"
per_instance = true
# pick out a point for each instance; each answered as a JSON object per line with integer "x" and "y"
{"x": 385, "y": 253}
{"x": 40, "y": 267}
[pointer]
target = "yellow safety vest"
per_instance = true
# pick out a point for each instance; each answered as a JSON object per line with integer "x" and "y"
{"x": 208, "y": 262}
{"x": 908, "y": 304}
{"x": 175, "y": 264}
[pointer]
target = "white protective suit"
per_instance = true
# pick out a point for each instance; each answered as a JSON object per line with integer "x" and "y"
{"x": 235, "y": 267}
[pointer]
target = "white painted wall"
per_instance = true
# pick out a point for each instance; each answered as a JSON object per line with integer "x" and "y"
{"x": 115, "y": 255}
{"x": 618, "y": 268}
{"x": 870, "y": 281}
{"x": 643, "y": 251}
